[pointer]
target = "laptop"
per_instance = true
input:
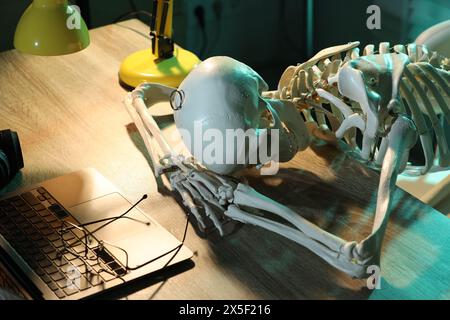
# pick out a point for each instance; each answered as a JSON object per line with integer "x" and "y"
{"x": 76, "y": 236}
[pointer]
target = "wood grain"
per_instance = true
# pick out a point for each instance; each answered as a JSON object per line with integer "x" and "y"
{"x": 68, "y": 113}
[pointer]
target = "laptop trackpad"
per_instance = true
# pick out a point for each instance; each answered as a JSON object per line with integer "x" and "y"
{"x": 137, "y": 234}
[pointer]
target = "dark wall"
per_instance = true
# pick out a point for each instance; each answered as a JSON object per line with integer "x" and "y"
{"x": 337, "y": 22}
{"x": 10, "y": 12}
{"x": 266, "y": 34}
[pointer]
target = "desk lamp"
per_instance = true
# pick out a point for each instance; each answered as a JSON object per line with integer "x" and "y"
{"x": 164, "y": 63}
{"x": 49, "y": 28}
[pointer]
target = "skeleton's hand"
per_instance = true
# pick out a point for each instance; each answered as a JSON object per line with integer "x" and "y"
{"x": 205, "y": 194}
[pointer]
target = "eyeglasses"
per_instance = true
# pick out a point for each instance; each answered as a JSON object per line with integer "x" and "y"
{"x": 91, "y": 251}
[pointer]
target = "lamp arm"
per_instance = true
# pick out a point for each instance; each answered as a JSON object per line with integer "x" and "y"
{"x": 161, "y": 29}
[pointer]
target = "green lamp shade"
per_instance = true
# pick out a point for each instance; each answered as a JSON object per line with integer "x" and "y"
{"x": 49, "y": 28}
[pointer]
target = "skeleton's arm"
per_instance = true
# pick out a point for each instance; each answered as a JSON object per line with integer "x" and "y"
{"x": 208, "y": 195}
{"x": 216, "y": 199}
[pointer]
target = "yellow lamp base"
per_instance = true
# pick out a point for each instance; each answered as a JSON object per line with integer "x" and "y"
{"x": 140, "y": 67}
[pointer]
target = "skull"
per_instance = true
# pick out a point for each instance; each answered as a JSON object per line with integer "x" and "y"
{"x": 226, "y": 123}
{"x": 373, "y": 81}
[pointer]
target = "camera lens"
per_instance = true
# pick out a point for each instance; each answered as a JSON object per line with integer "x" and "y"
{"x": 11, "y": 160}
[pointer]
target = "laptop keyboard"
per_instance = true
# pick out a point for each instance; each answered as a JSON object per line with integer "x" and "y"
{"x": 32, "y": 224}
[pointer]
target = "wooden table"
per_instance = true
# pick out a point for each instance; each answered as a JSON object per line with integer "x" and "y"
{"x": 68, "y": 113}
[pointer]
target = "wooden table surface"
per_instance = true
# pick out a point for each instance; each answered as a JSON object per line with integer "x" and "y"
{"x": 68, "y": 113}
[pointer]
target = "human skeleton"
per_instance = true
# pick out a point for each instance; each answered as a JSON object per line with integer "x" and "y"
{"x": 393, "y": 96}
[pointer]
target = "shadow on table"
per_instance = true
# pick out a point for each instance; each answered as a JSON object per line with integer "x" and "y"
{"x": 293, "y": 272}
{"x": 146, "y": 281}
{"x": 272, "y": 266}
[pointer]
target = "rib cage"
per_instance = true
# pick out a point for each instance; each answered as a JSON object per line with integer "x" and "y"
{"x": 424, "y": 91}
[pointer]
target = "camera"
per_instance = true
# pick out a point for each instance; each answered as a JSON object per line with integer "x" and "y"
{"x": 11, "y": 159}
